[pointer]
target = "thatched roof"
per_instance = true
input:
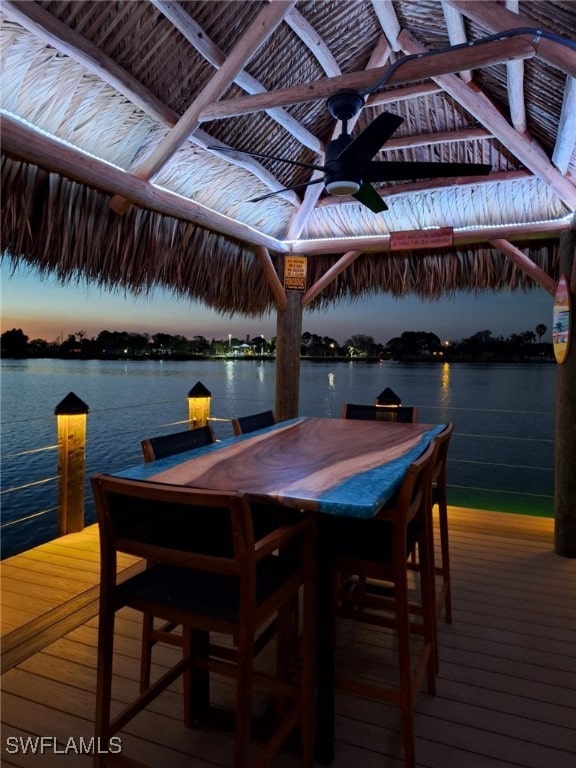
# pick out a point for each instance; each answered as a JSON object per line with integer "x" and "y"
{"x": 99, "y": 98}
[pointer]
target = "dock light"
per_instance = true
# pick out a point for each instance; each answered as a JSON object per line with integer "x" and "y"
{"x": 388, "y": 397}
{"x": 71, "y": 413}
{"x": 198, "y": 406}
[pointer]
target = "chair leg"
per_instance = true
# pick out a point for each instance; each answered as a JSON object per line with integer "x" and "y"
{"x": 404, "y": 666}
{"x": 428, "y": 600}
{"x": 244, "y": 699}
{"x": 445, "y": 555}
{"x": 104, "y": 680}
{"x": 308, "y": 676}
{"x": 146, "y": 651}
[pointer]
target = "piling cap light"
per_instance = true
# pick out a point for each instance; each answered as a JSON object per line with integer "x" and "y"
{"x": 199, "y": 390}
{"x": 71, "y": 405}
{"x": 388, "y": 397}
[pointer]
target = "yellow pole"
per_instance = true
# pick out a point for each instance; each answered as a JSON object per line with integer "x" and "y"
{"x": 71, "y": 426}
{"x": 198, "y": 406}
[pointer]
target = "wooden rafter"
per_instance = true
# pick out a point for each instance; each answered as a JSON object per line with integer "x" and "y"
{"x": 388, "y": 21}
{"x": 566, "y": 138}
{"x": 526, "y": 264}
{"x": 414, "y": 69}
{"x": 515, "y": 73}
{"x": 468, "y": 236}
{"x": 313, "y": 41}
{"x": 495, "y": 18}
{"x": 330, "y": 275}
{"x": 256, "y": 34}
{"x": 456, "y": 32}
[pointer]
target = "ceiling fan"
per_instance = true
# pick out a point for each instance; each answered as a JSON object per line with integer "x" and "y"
{"x": 348, "y": 167}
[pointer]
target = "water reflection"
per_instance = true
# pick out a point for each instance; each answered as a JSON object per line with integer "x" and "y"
{"x": 445, "y": 390}
{"x": 331, "y": 380}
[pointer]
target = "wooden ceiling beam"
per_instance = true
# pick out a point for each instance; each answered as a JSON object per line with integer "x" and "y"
{"x": 200, "y": 40}
{"x": 388, "y": 21}
{"x": 402, "y": 94}
{"x": 255, "y": 36}
{"x": 30, "y": 146}
{"x": 313, "y": 41}
{"x": 472, "y": 236}
{"x": 515, "y": 77}
{"x": 328, "y": 276}
{"x": 428, "y": 139}
{"x": 456, "y": 33}
{"x": 526, "y": 264}
{"x": 272, "y": 277}
{"x": 478, "y": 105}
{"x": 566, "y": 137}
{"x": 495, "y": 18}
{"x": 413, "y": 69}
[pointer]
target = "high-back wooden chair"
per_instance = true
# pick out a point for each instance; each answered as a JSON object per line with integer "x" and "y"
{"x": 209, "y": 574}
{"x": 154, "y": 448}
{"x": 243, "y": 424}
{"x": 379, "y": 548}
{"x": 406, "y": 414}
{"x": 177, "y": 442}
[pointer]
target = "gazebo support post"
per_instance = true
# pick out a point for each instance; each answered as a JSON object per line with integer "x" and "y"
{"x": 565, "y": 468}
{"x": 288, "y": 341}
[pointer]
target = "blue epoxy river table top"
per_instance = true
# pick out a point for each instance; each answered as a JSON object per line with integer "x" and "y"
{"x": 334, "y": 466}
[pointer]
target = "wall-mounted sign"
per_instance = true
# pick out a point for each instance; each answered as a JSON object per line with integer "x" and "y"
{"x": 561, "y": 320}
{"x": 295, "y": 273}
{"x": 410, "y": 239}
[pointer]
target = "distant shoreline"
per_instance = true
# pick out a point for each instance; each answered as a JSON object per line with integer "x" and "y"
{"x": 481, "y": 359}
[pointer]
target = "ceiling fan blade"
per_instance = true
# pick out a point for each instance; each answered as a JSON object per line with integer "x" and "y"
{"x": 368, "y": 196}
{"x": 310, "y": 166}
{"x": 396, "y": 170}
{"x": 368, "y": 142}
{"x": 286, "y": 189}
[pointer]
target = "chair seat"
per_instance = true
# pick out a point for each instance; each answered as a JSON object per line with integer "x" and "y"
{"x": 209, "y": 594}
{"x": 369, "y": 539}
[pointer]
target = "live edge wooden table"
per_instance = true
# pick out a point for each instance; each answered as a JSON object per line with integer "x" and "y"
{"x": 327, "y": 465}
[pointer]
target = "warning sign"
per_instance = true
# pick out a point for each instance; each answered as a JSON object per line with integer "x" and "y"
{"x": 421, "y": 238}
{"x": 295, "y": 273}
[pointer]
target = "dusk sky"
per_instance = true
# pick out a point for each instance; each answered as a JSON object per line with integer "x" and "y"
{"x": 44, "y": 309}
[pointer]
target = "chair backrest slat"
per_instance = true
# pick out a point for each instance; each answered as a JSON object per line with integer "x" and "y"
{"x": 205, "y": 530}
{"x": 243, "y": 424}
{"x": 406, "y": 414}
{"x": 177, "y": 442}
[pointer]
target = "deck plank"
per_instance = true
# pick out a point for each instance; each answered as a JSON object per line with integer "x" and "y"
{"x": 506, "y": 689}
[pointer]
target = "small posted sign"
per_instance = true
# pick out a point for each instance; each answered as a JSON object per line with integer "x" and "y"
{"x": 295, "y": 268}
{"x": 410, "y": 239}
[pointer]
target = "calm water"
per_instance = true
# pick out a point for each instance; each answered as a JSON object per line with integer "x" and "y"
{"x": 501, "y": 455}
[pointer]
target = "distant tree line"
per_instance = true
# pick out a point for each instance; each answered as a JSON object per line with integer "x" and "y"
{"x": 409, "y": 346}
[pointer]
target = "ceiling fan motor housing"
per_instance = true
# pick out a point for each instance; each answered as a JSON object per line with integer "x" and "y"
{"x": 340, "y": 178}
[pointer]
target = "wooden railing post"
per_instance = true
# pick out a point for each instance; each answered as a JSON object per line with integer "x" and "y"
{"x": 198, "y": 406}
{"x": 71, "y": 426}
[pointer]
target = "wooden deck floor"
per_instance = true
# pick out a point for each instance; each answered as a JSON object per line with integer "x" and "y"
{"x": 506, "y": 690}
